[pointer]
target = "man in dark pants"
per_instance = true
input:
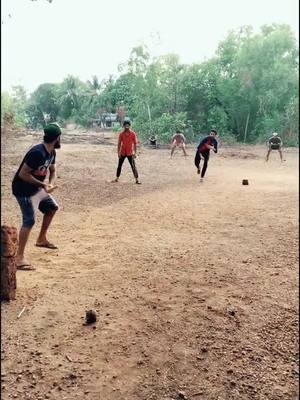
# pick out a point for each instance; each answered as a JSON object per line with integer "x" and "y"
{"x": 153, "y": 141}
{"x": 33, "y": 193}
{"x": 274, "y": 143}
{"x": 203, "y": 149}
{"x": 127, "y": 149}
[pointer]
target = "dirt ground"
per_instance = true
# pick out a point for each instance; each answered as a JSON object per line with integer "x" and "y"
{"x": 195, "y": 285}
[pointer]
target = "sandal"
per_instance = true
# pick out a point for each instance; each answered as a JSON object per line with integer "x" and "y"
{"x": 25, "y": 267}
{"x": 47, "y": 245}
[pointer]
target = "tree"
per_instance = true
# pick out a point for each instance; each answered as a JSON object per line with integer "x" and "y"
{"x": 7, "y": 106}
{"x": 19, "y": 97}
{"x": 44, "y": 102}
{"x": 257, "y": 78}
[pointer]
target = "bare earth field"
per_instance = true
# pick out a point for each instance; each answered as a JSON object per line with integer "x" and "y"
{"x": 195, "y": 285}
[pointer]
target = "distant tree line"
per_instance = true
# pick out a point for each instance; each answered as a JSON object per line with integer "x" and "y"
{"x": 246, "y": 91}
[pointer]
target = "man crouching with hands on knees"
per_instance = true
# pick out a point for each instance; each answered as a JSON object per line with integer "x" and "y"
{"x": 32, "y": 192}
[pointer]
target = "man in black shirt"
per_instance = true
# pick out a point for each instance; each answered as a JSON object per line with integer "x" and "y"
{"x": 153, "y": 141}
{"x": 274, "y": 143}
{"x": 32, "y": 192}
{"x": 203, "y": 149}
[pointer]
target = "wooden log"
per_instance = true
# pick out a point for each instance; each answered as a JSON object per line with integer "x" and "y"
{"x": 9, "y": 245}
{"x": 9, "y": 241}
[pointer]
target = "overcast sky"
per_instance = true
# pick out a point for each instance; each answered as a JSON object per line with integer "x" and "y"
{"x": 43, "y": 42}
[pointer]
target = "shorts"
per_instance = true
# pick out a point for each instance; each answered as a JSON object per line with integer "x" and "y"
{"x": 274, "y": 147}
{"x": 41, "y": 200}
{"x": 178, "y": 144}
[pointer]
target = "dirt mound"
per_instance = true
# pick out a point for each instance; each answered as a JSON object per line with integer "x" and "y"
{"x": 239, "y": 154}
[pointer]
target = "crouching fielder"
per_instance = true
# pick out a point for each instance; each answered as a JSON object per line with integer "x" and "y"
{"x": 178, "y": 140}
{"x": 203, "y": 150}
{"x": 274, "y": 143}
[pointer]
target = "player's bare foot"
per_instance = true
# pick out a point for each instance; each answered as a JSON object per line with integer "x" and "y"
{"x": 201, "y": 180}
{"x": 115, "y": 180}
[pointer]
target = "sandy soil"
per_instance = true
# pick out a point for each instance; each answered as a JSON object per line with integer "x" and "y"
{"x": 195, "y": 285}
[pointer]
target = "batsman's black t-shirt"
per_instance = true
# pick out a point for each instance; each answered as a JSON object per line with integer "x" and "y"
{"x": 275, "y": 140}
{"x": 39, "y": 160}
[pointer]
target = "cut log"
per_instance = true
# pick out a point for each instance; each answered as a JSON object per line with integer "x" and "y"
{"x": 9, "y": 245}
{"x": 9, "y": 241}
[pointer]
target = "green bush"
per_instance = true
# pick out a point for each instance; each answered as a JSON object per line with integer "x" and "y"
{"x": 164, "y": 127}
{"x": 117, "y": 128}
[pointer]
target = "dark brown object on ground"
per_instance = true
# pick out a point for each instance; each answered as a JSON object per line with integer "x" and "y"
{"x": 245, "y": 182}
{"x": 90, "y": 317}
{"x": 9, "y": 244}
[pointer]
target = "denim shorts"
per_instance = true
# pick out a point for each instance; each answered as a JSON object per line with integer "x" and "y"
{"x": 28, "y": 208}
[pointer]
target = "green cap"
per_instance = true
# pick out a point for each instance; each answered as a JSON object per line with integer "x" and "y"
{"x": 52, "y": 130}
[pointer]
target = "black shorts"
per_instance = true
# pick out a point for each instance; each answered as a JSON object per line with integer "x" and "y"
{"x": 274, "y": 147}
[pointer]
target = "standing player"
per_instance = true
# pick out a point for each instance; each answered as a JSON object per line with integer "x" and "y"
{"x": 274, "y": 143}
{"x": 178, "y": 140}
{"x": 32, "y": 191}
{"x": 127, "y": 149}
{"x": 203, "y": 149}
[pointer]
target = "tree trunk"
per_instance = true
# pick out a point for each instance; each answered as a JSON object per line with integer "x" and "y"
{"x": 9, "y": 244}
{"x": 149, "y": 114}
{"x": 175, "y": 98}
{"x": 246, "y": 127}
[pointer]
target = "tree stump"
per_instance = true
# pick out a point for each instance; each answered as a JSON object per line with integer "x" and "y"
{"x": 9, "y": 244}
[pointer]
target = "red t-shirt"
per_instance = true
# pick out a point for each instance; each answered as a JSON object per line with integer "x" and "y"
{"x": 126, "y": 141}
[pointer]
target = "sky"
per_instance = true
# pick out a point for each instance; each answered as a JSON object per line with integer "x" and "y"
{"x": 45, "y": 42}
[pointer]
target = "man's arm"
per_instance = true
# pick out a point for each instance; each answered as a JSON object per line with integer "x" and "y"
{"x": 215, "y": 148}
{"x": 52, "y": 174}
{"x": 25, "y": 175}
{"x": 119, "y": 146}
{"x": 134, "y": 144}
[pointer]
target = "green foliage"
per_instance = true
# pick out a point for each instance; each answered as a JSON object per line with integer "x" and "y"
{"x": 164, "y": 127}
{"x": 15, "y": 105}
{"x": 7, "y": 106}
{"x": 247, "y": 90}
{"x": 35, "y": 117}
{"x": 46, "y": 100}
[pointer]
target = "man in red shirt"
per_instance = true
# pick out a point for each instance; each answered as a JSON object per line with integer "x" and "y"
{"x": 127, "y": 149}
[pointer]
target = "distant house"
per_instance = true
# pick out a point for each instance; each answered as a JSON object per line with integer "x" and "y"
{"x": 109, "y": 120}
{"x": 106, "y": 120}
